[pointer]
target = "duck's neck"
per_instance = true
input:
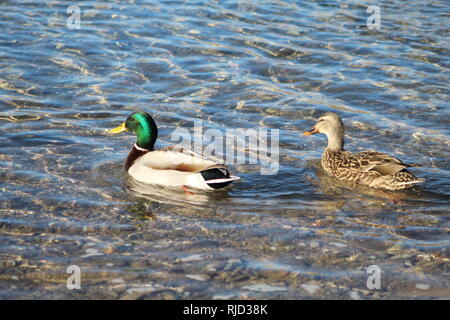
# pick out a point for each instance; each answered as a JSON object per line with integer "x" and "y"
{"x": 146, "y": 140}
{"x": 137, "y": 147}
{"x": 134, "y": 154}
{"x": 336, "y": 141}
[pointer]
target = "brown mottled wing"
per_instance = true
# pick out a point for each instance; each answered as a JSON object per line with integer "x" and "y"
{"x": 376, "y": 161}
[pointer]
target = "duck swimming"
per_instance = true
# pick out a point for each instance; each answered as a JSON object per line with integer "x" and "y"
{"x": 370, "y": 168}
{"x": 170, "y": 166}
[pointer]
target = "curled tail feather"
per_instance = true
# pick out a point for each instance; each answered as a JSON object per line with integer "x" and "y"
{"x": 217, "y": 176}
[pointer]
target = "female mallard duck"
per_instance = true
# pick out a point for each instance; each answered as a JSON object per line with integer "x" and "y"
{"x": 371, "y": 168}
{"x": 170, "y": 166}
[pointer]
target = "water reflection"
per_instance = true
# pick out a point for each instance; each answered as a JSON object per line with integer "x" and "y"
{"x": 175, "y": 196}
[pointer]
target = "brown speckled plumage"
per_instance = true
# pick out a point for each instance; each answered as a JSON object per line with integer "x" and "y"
{"x": 370, "y": 168}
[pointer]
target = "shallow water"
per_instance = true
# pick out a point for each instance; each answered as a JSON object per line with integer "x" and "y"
{"x": 65, "y": 199}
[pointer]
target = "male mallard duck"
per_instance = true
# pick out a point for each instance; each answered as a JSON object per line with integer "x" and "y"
{"x": 170, "y": 166}
{"x": 371, "y": 168}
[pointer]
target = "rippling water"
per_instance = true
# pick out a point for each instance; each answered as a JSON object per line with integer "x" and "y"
{"x": 65, "y": 199}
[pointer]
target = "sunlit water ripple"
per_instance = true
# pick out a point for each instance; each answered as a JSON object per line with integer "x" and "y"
{"x": 232, "y": 64}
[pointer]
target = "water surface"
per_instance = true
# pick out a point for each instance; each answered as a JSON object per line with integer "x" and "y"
{"x": 65, "y": 199}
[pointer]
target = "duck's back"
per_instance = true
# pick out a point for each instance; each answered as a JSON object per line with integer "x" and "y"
{"x": 371, "y": 168}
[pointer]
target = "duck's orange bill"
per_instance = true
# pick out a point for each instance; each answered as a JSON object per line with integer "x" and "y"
{"x": 310, "y": 132}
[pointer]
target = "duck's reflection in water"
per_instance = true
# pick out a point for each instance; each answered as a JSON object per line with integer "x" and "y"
{"x": 162, "y": 199}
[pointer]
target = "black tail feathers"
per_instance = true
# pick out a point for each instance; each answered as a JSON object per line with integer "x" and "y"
{"x": 217, "y": 177}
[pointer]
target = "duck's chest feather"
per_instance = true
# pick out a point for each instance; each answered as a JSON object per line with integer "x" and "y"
{"x": 331, "y": 160}
{"x": 133, "y": 155}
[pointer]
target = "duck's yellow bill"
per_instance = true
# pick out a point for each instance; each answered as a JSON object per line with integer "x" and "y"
{"x": 119, "y": 129}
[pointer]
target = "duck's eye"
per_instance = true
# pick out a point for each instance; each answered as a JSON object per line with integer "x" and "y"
{"x": 320, "y": 120}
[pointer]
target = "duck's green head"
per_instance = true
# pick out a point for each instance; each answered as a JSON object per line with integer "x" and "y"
{"x": 143, "y": 126}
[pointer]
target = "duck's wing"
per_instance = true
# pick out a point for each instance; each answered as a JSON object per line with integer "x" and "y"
{"x": 175, "y": 158}
{"x": 376, "y": 161}
{"x": 182, "y": 150}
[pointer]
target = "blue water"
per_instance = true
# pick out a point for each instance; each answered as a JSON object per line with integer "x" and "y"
{"x": 65, "y": 199}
